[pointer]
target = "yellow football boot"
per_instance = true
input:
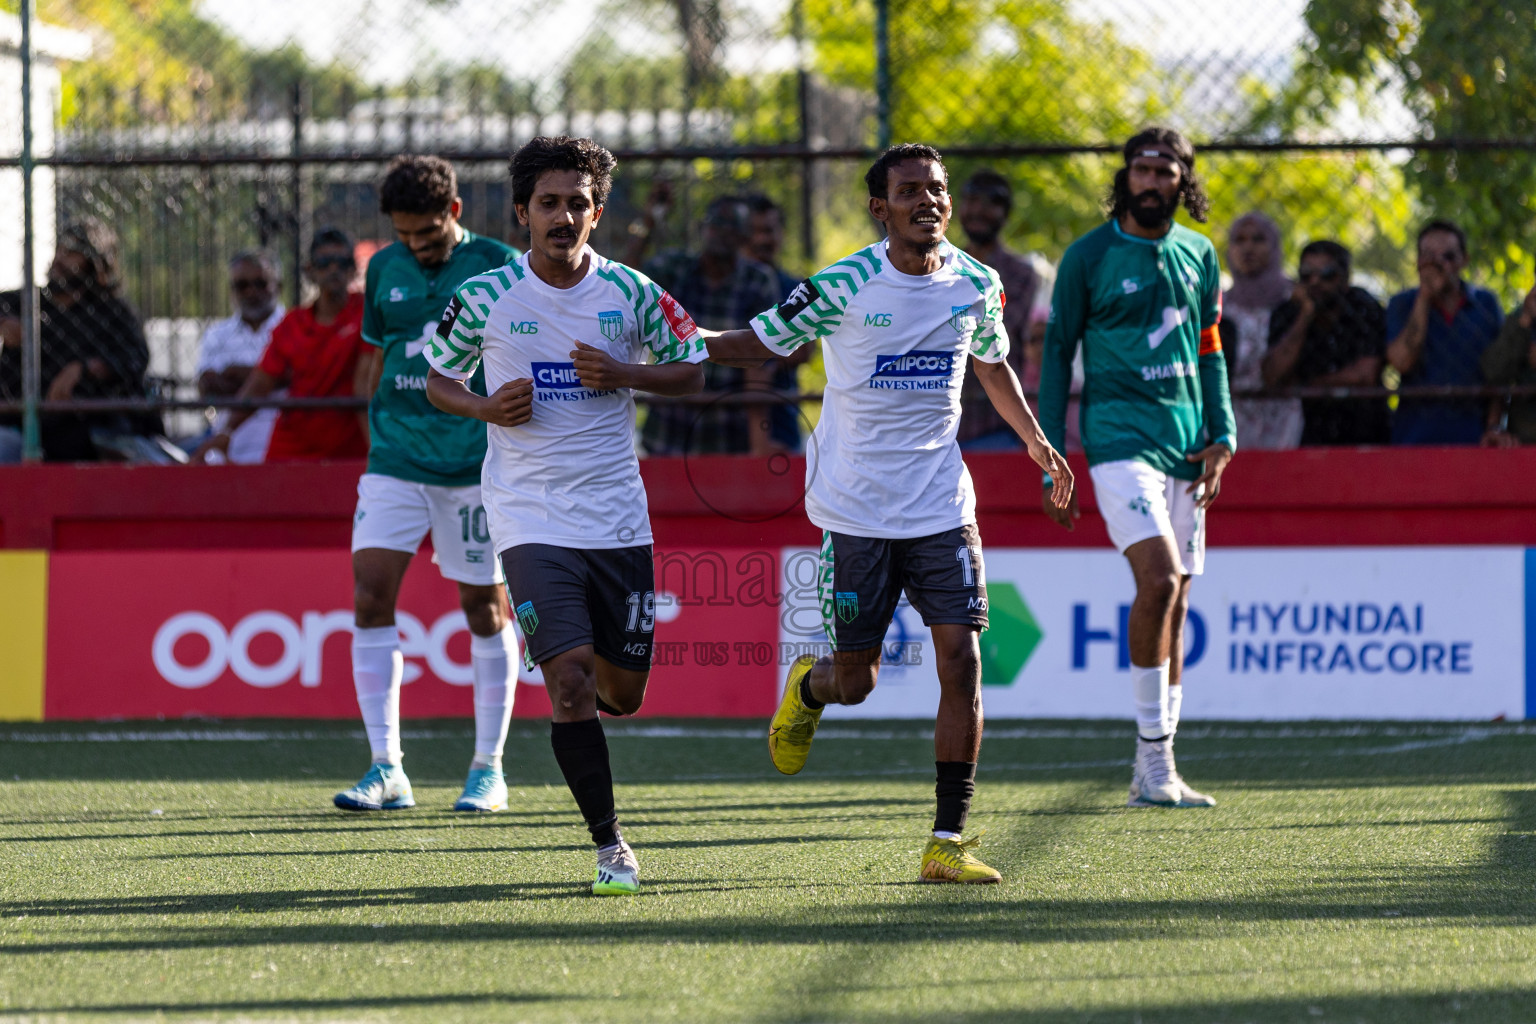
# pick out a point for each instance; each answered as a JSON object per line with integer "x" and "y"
{"x": 949, "y": 860}
{"x": 794, "y": 725}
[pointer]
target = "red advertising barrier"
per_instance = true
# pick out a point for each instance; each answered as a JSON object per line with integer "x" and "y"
{"x": 226, "y": 591}
{"x": 265, "y": 634}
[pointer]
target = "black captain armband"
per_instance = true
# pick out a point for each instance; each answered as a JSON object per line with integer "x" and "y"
{"x": 799, "y": 300}
{"x": 450, "y": 314}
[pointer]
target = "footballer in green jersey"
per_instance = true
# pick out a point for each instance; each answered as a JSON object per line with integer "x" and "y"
{"x": 423, "y": 476}
{"x": 1142, "y": 296}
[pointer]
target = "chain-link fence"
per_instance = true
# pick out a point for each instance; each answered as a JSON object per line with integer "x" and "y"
{"x": 193, "y": 130}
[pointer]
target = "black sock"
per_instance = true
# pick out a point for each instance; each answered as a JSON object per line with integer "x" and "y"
{"x": 957, "y": 783}
{"x": 606, "y": 709}
{"x": 805, "y": 694}
{"x": 582, "y": 752}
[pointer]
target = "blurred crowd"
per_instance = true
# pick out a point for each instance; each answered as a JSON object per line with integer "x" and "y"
{"x": 1284, "y": 327}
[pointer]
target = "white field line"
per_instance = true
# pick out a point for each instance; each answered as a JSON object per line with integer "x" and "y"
{"x": 1456, "y": 732}
{"x": 1470, "y": 735}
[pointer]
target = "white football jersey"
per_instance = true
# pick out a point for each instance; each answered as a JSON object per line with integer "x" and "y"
{"x": 569, "y": 476}
{"x": 883, "y": 461}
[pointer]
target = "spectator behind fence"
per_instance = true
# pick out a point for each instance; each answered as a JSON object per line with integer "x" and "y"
{"x": 1511, "y": 359}
{"x": 722, "y": 291}
{"x": 986, "y": 200}
{"x": 1438, "y": 332}
{"x": 91, "y": 346}
{"x": 1330, "y": 334}
{"x": 1259, "y": 286}
{"x": 231, "y": 348}
{"x": 314, "y": 353}
{"x": 765, "y": 244}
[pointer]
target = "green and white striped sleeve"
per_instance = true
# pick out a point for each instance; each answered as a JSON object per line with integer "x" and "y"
{"x": 815, "y": 308}
{"x": 667, "y": 332}
{"x": 989, "y": 342}
{"x": 455, "y": 348}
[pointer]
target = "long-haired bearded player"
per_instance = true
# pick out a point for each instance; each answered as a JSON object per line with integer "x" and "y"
{"x": 1142, "y": 295}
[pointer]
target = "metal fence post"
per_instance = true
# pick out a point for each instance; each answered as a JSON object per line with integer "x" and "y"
{"x": 31, "y": 349}
{"x": 883, "y": 73}
{"x": 807, "y": 173}
{"x": 296, "y": 251}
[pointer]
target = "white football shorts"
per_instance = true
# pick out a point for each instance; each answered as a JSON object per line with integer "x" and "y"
{"x": 1138, "y": 502}
{"x": 396, "y": 514}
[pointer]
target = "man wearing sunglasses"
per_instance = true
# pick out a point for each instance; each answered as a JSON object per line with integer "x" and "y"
{"x": 1330, "y": 334}
{"x": 232, "y": 347}
{"x": 313, "y": 352}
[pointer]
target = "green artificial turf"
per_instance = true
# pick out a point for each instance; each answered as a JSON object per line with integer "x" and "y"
{"x": 1350, "y": 873}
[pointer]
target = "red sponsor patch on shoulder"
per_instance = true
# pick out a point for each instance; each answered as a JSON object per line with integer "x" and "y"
{"x": 677, "y": 318}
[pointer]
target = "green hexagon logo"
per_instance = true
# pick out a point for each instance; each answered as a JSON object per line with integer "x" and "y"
{"x": 1011, "y": 637}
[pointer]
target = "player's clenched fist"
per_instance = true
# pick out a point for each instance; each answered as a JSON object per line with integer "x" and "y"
{"x": 511, "y": 405}
{"x": 597, "y": 369}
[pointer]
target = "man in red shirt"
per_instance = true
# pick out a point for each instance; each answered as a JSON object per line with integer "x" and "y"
{"x": 313, "y": 352}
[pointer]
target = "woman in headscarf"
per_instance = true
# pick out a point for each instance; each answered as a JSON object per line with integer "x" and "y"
{"x": 1259, "y": 285}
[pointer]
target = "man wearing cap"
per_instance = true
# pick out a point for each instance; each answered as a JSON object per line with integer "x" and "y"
{"x": 985, "y": 203}
{"x": 1142, "y": 295}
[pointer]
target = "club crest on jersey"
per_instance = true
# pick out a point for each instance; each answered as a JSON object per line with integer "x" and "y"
{"x": 611, "y": 323}
{"x": 918, "y": 370}
{"x": 799, "y": 300}
{"x": 527, "y": 618}
{"x": 961, "y": 320}
{"x": 847, "y": 605}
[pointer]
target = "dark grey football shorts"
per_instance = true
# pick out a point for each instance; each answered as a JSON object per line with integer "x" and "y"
{"x": 862, "y": 578}
{"x": 566, "y": 597}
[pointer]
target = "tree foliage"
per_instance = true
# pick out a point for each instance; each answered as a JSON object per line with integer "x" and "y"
{"x": 1466, "y": 71}
{"x": 160, "y": 62}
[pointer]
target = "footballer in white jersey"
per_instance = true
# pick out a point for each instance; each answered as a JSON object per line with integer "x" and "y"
{"x": 564, "y": 336}
{"x": 885, "y": 480}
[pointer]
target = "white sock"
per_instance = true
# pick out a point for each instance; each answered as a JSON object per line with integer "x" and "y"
{"x": 492, "y": 658}
{"x": 1150, "y": 686}
{"x": 376, "y": 670}
{"x": 1175, "y": 704}
{"x": 947, "y": 835}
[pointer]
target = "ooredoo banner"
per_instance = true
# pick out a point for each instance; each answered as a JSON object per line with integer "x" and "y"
{"x": 1272, "y": 633}
{"x": 267, "y": 633}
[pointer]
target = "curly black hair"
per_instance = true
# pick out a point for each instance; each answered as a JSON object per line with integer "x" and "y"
{"x": 561, "y": 153}
{"x": 878, "y": 177}
{"x": 416, "y": 183}
{"x": 1191, "y": 191}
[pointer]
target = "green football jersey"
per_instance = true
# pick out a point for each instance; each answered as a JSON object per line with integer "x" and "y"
{"x": 411, "y": 439}
{"x": 1154, "y": 379}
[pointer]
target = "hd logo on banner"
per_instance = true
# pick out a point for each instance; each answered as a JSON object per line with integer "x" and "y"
{"x": 1272, "y": 633}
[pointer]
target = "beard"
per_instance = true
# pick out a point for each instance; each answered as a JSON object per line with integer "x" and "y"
{"x": 1153, "y": 214}
{"x": 68, "y": 284}
{"x": 982, "y": 234}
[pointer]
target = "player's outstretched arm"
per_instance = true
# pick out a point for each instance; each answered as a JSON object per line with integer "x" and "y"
{"x": 511, "y": 405}
{"x": 601, "y": 372}
{"x": 1002, "y": 387}
{"x": 737, "y": 348}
